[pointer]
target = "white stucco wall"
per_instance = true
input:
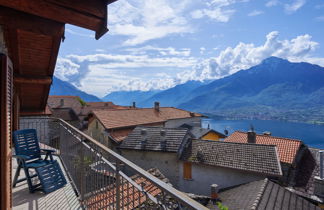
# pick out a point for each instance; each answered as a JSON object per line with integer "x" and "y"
{"x": 204, "y": 175}
{"x": 166, "y": 162}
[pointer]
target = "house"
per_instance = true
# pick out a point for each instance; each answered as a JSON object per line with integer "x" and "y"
{"x": 156, "y": 147}
{"x": 290, "y": 150}
{"x": 262, "y": 194}
{"x": 67, "y": 102}
{"x": 203, "y": 133}
{"x": 60, "y": 105}
{"x": 112, "y": 126}
{"x": 227, "y": 164}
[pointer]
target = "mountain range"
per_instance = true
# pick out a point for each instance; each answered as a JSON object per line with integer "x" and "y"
{"x": 273, "y": 89}
{"x": 60, "y": 87}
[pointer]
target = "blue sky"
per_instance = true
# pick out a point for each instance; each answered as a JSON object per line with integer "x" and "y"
{"x": 157, "y": 44}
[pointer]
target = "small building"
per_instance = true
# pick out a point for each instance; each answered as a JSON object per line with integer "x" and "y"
{"x": 262, "y": 194}
{"x": 156, "y": 147}
{"x": 60, "y": 102}
{"x": 227, "y": 164}
{"x": 290, "y": 150}
{"x": 203, "y": 133}
{"x": 112, "y": 126}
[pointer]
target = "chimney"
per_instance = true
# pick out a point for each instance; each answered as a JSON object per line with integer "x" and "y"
{"x": 134, "y": 104}
{"x": 214, "y": 193}
{"x": 157, "y": 106}
{"x": 251, "y": 135}
{"x": 62, "y": 102}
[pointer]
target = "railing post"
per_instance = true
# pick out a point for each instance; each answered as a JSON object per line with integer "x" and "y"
{"x": 82, "y": 175}
{"x": 118, "y": 185}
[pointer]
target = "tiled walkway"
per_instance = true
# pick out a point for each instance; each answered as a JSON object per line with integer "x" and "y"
{"x": 63, "y": 198}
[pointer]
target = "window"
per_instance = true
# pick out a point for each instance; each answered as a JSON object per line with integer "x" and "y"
{"x": 97, "y": 125}
{"x": 187, "y": 170}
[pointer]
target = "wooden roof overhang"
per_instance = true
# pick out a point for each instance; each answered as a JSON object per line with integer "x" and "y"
{"x": 33, "y": 31}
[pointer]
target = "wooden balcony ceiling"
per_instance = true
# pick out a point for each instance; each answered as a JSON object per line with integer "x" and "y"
{"x": 33, "y": 32}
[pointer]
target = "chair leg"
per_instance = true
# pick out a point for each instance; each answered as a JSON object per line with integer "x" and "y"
{"x": 28, "y": 178}
{"x": 17, "y": 175}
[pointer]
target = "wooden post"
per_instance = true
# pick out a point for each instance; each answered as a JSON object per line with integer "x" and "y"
{"x": 6, "y": 95}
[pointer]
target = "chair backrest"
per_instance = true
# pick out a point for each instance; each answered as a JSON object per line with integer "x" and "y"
{"x": 26, "y": 143}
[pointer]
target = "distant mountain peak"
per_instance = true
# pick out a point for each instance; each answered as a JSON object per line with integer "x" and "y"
{"x": 273, "y": 60}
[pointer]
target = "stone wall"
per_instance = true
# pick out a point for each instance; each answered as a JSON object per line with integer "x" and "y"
{"x": 166, "y": 162}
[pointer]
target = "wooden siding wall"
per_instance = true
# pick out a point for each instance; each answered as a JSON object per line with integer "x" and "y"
{"x": 6, "y": 95}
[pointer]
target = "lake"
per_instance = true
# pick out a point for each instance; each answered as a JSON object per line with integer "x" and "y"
{"x": 312, "y": 135}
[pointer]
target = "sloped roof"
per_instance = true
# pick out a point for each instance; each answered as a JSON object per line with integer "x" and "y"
{"x": 248, "y": 157}
{"x": 201, "y": 132}
{"x": 132, "y": 117}
{"x": 173, "y": 138}
{"x": 120, "y": 134}
{"x": 68, "y": 102}
{"x": 287, "y": 148}
{"x": 100, "y": 105}
{"x": 264, "y": 194}
{"x": 307, "y": 168}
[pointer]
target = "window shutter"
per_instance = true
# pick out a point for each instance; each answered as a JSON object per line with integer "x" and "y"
{"x": 6, "y": 96}
{"x": 187, "y": 170}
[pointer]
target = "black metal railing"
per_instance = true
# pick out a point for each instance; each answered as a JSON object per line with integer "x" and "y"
{"x": 102, "y": 178}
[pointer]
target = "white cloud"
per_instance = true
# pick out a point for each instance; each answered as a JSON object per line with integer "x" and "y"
{"x": 217, "y": 10}
{"x": 272, "y": 3}
{"x": 65, "y": 68}
{"x": 255, "y": 13}
{"x": 132, "y": 61}
{"x": 294, "y": 6}
{"x": 141, "y": 21}
{"x": 162, "y": 51}
{"x": 244, "y": 56}
{"x": 102, "y": 73}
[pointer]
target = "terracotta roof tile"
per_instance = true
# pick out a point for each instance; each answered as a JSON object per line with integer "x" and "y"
{"x": 287, "y": 148}
{"x": 131, "y": 197}
{"x": 132, "y": 117}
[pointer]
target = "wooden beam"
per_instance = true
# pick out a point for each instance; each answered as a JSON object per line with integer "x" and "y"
{"x": 64, "y": 12}
{"x": 14, "y": 20}
{"x": 30, "y": 80}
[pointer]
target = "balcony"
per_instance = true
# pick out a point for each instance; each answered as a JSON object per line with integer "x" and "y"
{"x": 98, "y": 178}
